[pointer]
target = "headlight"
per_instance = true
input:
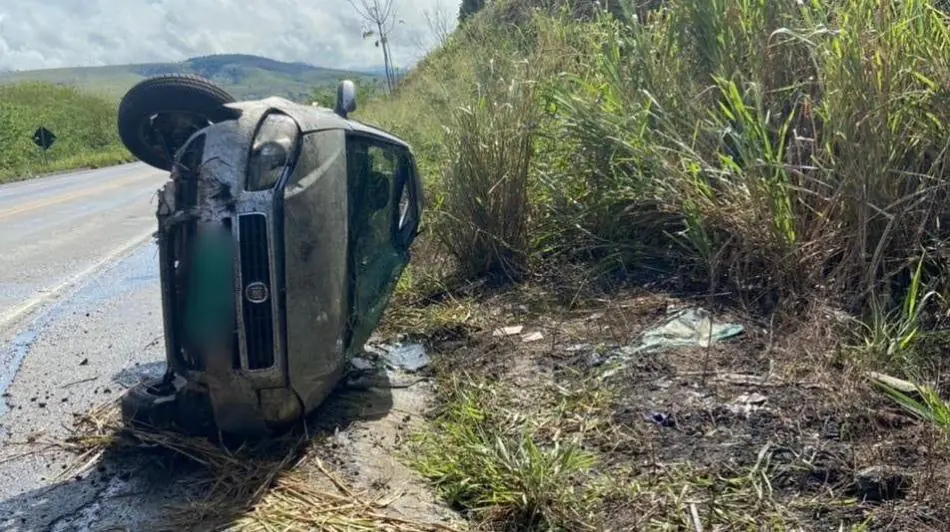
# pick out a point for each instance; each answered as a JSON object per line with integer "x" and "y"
{"x": 272, "y": 151}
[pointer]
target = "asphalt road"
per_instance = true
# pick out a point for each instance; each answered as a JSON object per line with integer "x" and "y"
{"x": 79, "y": 321}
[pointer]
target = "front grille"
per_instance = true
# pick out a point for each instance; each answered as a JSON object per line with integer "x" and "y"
{"x": 255, "y": 273}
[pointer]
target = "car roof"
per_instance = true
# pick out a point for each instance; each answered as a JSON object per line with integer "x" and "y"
{"x": 318, "y": 117}
{"x": 330, "y": 120}
{"x": 359, "y": 127}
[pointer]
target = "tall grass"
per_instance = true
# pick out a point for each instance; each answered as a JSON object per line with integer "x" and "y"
{"x": 803, "y": 145}
{"x": 485, "y": 186}
{"x": 781, "y": 150}
{"x": 84, "y": 126}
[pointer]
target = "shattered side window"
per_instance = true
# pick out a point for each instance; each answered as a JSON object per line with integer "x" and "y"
{"x": 373, "y": 170}
{"x": 372, "y": 167}
{"x": 379, "y": 185}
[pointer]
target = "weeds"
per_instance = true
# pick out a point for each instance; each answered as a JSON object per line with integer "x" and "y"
{"x": 780, "y": 154}
{"x": 486, "y": 460}
{"x": 485, "y": 187}
{"x": 891, "y": 335}
{"x": 928, "y": 407}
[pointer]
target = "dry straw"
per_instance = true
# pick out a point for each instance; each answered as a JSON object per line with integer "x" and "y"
{"x": 252, "y": 488}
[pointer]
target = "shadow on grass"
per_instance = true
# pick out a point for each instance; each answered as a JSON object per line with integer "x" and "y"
{"x": 172, "y": 482}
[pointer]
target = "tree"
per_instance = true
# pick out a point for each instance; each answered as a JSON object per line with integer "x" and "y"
{"x": 439, "y": 23}
{"x": 469, "y": 8}
{"x": 381, "y": 16}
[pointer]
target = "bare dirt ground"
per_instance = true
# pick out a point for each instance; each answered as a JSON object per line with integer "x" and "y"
{"x": 768, "y": 429}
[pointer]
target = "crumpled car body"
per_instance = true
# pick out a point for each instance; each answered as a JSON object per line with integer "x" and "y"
{"x": 282, "y": 233}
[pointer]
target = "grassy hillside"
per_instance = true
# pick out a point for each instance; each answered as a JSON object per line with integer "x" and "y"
{"x": 782, "y": 161}
{"x": 79, "y": 105}
{"x": 245, "y": 76}
{"x": 772, "y": 150}
{"x": 84, "y": 126}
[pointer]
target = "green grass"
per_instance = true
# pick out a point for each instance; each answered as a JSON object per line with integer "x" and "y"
{"x": 84, "y": 126}
{"x": 487, "y": 461}
{"x": 527, "y": 459}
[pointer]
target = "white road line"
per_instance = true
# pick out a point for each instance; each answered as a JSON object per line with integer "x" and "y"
{"x": 52, "y": 293}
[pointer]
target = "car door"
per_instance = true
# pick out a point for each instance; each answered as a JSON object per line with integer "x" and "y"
{"x": 384, "y": 215}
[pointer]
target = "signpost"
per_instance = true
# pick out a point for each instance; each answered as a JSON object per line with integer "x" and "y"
{"x": 44, "y": 138}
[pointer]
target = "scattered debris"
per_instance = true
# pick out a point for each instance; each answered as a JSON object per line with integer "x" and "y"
{"x": 508, "y": 331}
{"x": 532, "y": 337}
{"x": 80, "y": 381}
{"x": 744, "y": 379}
{"x": 747, "y": 403}
{"x": 687, "y": 328}
{"x": 377, "y": 350}
{"x": 661, "y": 418}
{"x": 576, "y": 348}
{"x": 408, "y": 357}
{"x": 361, "y": 364}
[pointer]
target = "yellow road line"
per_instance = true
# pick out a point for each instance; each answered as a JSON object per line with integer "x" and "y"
{"x": 63, "y": 198}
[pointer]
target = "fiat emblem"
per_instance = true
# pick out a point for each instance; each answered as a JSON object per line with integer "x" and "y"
{"x": 256, "y": 292}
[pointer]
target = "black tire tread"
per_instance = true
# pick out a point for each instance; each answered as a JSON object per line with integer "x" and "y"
{"x": 168, "y": 93}
{"x": 139, "y": 407}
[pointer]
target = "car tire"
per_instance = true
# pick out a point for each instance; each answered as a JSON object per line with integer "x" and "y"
{"x": 190, "y": 100}
{"x": 143, "y": 406}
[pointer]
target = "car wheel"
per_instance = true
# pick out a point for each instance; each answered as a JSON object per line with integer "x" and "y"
{"x": 145, "y": 406}
{"x": 157, "y": 115}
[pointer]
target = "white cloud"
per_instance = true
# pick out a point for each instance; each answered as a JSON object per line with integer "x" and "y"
{"x": 65, "y": 33}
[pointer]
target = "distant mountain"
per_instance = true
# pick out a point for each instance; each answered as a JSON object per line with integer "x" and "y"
{"x": 376, "y": 71}
{"x": 245, "y": 76}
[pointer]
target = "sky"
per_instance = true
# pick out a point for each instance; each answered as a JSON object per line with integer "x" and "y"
{"x": 67, "y": 33}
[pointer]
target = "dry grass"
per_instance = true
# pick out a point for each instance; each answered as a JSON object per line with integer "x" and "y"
{"x": 274, "y": 485}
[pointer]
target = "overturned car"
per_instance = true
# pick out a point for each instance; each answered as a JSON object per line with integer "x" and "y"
{"x": 282, "y": 232}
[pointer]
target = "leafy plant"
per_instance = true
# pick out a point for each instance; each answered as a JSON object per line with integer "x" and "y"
{"x": 891, "y": 333}
{"x": 928, "y": 406}
{"x": 484, "y": 460}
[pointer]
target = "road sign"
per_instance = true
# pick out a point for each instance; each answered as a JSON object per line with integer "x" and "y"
{"x": 44, "y": 138}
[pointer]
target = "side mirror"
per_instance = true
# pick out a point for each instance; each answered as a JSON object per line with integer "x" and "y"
{"x": 345, "y": 98}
